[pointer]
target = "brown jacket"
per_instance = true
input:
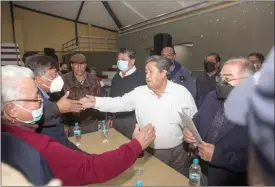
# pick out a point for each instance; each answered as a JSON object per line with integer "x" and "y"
{"x": 91, "y": 86}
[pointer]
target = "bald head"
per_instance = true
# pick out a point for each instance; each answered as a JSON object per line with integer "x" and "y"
{"x": 236, "y": 70}
{"x": 242, "y": 65}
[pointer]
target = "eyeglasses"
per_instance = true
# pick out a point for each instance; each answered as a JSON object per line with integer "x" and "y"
{"x": 38, "y": 99}
{"x": 226, "y": 79}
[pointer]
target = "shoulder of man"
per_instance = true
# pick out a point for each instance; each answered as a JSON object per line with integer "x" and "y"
{"x": 185, "y": 71}
{"x": 67, "y": 75}
{"x": 178, "y": 87}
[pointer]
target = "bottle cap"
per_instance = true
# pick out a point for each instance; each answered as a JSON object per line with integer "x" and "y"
{"x": 196, "y": 161}
{"x": 139, "y": 183}
{"x": 76, "y": 124}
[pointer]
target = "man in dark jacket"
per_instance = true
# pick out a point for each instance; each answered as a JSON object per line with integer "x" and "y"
{"x": 223, "y": 151}
{"x": 179, "y": 74}
{"x": 206, "y": 81}
{"x": 79, "y": 83}
{"x": 251, "y": 104}
{"x": 45, "y": 69}
{"x": 126, "y": 80}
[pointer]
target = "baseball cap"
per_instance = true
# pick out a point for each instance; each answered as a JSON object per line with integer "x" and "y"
{"x": 252, "y": 103}
{"x": 78, "y": 57}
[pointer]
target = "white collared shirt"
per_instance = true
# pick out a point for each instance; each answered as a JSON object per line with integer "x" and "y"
{"x": 131, "y": 71}
{"x": 161, "y": 112}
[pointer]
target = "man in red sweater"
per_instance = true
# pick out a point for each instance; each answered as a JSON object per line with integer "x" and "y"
{"x": 22, "y": 108}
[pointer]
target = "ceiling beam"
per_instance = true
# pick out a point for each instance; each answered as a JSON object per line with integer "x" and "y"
{"x": 76, "y": 20}
{"x": 79, "y": 11}
{"x": 134, "y": 10}
{"x": 110, "y": 11}
{"x": 60, "y": 17}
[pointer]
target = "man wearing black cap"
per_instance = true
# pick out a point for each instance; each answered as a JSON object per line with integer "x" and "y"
{"x": 223, "y": 152}
{"x": 252, "y": 104}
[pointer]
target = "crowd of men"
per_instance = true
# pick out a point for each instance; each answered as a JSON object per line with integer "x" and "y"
{"x": 42, "y": 100}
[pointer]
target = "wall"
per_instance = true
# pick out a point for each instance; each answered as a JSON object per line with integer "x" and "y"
{"x": 253, "y": 31}
{"x": 6, "y": 27}
{"x": 101, "y": 60}
{"x": 35, "y": 31}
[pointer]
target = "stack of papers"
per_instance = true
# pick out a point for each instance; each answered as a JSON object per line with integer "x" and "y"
{"x": 188, "y": 122}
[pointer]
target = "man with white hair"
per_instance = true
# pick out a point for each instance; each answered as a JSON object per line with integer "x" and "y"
{"x": 16, "y": 152}
{"x": 223, "y": 152}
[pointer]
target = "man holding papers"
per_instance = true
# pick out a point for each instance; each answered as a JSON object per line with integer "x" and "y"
{"x": 157, "y": 103}
{"x": 223, "y": 151}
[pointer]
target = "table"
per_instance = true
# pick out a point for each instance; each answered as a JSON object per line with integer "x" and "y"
{"x": 156, "y": 172}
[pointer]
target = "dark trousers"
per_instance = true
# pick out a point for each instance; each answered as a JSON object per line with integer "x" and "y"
{"x": 125, "y": 125}
{"x": 176, "y": 157}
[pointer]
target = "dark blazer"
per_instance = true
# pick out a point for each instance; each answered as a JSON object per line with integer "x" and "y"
{"x": 50, "y": 124}
{"x": 229, "y": 162}
{"x": 25, "y": 159}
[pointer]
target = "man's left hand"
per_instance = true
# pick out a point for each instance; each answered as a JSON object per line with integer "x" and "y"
{"x": 206, "y": 151}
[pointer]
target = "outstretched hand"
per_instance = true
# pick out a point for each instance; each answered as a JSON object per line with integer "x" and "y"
{"x": 88, "y": 101}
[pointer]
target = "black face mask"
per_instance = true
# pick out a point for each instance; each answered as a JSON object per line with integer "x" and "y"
{"x": 209, "y": 67}
{"x": 64, "y": 71}
{"x": 223, "y": 89}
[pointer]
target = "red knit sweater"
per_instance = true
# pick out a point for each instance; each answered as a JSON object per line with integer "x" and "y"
{"x": 76, "y": 168}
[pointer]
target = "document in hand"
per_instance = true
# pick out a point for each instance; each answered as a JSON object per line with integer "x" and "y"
{"x": 188, "y": 122}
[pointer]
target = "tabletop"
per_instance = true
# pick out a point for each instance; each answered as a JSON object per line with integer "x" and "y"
{"x": 156, "y": 173}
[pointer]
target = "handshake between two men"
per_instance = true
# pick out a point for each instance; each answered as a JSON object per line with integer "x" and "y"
{"x": 144, "y": 136}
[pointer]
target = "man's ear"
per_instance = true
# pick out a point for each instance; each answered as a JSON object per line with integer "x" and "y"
{"x": 164, "y": 73}
{"x": 10, "y": 110}
{"x": 132, "y": 62}
{"x": 38, "y": 80}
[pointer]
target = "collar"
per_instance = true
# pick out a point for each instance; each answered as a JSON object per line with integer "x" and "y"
{"x": 31, "y": 127}
{"x": 214, "y": 75}
{"x": 176, "y": 68}
{"x": 44, "y": 94}
{"x": 129, "y": 72}
{"x": 77, "y": 84}
{"x": 168, "y": 88}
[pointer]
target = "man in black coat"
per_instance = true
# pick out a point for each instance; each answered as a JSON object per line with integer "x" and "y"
{"x": 223, "y": 152}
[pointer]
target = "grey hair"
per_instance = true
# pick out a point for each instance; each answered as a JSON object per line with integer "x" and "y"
{"x": 11, "y": 76}
{"x": 161, "y": 63}
{"x": 39, "y": 63}
{"x": 246, "y": 65}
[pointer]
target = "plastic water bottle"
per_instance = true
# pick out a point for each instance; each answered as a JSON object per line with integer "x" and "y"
{"x": 195, "y": 173}
{"x": 77, "y": 134}
{"x": 99, "y": 125}
{"x": 139, "y": 164}
{"x": 139, "y": 183}
{"x": 104, "y": 130}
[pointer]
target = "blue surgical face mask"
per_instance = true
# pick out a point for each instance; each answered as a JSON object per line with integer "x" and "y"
{"x": 122, "y": 65}
{"x": 36, "y": 114}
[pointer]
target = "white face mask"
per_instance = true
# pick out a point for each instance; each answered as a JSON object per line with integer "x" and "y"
{"x": 36, "y": 114}
{"x": 122, "y": 65}
{"x": 56, "y": 84}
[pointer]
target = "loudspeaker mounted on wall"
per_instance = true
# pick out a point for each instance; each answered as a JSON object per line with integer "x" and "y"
{"x": 162, "y": 40}
{"x": 50, "y": 52}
